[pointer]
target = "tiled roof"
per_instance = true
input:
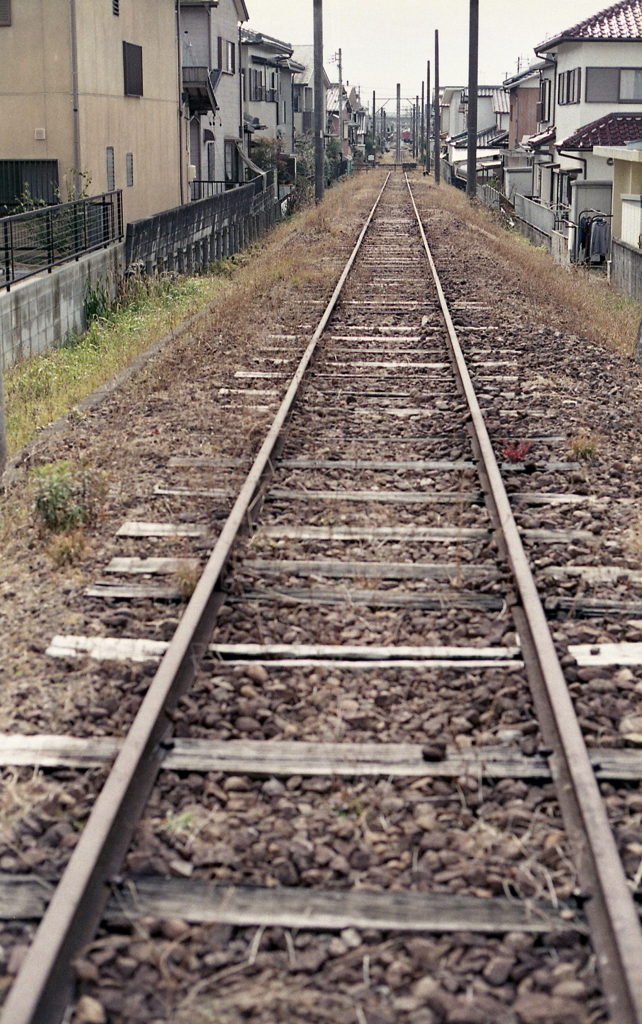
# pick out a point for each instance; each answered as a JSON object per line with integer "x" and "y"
{"x": 610, "y": 130}
{"x": 501, "y": 102}
{"x": 621, "y": 21}
{"x": 541, "y": 138}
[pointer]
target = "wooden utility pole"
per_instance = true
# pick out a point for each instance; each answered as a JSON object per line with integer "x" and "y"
{"x": 398, "y": 146}
{"x": 473, "y": 80}
{"x": 428, "y": 117}
{"x": 374, "y": 124}
{"x": 437, "y": 115}
{"x": 417, "y": 135}
{"x": 319, "y": 105}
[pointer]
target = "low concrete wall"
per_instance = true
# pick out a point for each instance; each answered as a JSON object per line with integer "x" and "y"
{"x": 38, "y": 313}
{"x": 533, "y": 234}
{"x": 626, "y": 269}
{"x": 559, "y": 248}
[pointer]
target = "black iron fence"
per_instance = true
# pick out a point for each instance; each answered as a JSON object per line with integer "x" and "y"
{"x": 48, "y": 236}
{"x": 190, "y": 237}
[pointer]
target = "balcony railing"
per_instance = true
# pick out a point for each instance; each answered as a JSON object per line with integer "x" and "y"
{"x": 44, "y": 238}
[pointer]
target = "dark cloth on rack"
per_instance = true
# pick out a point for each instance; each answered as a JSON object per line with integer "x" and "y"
{"x": 600, "y": 238}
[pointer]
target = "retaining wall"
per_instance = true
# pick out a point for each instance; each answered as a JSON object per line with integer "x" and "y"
{"x": 38, "y": 313}
{"x": 626, "y": 269}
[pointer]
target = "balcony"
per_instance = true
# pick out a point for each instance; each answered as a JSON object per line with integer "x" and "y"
{"x": 199, "y": 88}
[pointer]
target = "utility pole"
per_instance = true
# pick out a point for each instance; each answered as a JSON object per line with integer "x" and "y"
{"x": 398, "y": 146}
{"x": 422, "y": 136}
{"x": 473, "y": 59}
{"x": 337, "y": 59}
{"x": 428, "y": 117}
{"x": 437, "y": 115}
{"x": 374, "y": 125}
{"x": 417, "y": 135}
{"x": 319, "y": 105}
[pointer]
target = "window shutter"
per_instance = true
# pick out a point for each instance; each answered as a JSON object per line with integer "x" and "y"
{"x": 133, "y": 68}
{"x": 220, "y": 54}
{"x": 233, "y": 56}
{"x": 539, "y": 112}
{"x": 5, "y": 12}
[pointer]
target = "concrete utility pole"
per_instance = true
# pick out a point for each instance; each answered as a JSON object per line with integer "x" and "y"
{"x": 437, "y": 115}
{"x": 319, "y": 105}
{"x": 473, "y": 59}
{"x": 422, "y": 136}
{"x": 340, "y": 62}
{"x": 417, "y": 135}
{"x": 374, "y": 124}
{"x": 398, "y": 146}
{"x": 428, "y": 117}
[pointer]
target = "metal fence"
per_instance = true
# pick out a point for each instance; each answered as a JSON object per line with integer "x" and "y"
{"x": 205, "y": 231}
{"x": 46, "y": 237}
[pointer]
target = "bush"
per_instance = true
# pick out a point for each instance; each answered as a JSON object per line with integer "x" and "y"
{"x": 67, "y": 496}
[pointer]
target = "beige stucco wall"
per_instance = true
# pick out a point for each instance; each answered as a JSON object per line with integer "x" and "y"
{"x": 35, "y": 92}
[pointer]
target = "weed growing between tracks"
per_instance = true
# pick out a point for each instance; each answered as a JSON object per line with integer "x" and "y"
{"x": 586, "y": 303}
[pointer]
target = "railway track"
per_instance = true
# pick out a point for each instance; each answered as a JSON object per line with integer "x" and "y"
{"x": 368, "y": 638}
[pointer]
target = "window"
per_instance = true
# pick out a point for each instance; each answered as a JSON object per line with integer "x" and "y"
{"x": 256, "y": 85}
{"x": 133, "y": 68}
{"x": 211, "y": 161}
{"x": 544, "y": 104}
{"x": 630, "y": 85}
{"x": 602, "y": 85}
{"x": 230, "y": 161}
{"x": 226, "y": 56}
{"x": 5, "y": 12}
{"x": 129, "y": 169}
{"x": 111, "y": 178}
{"x": 569, "y": 87}
{"x": 115, "y": 7}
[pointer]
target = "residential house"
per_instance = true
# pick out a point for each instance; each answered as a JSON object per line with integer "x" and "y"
{"x": 359, "y": 121}
{"x": 90, "y": 86}
{"x": 269, "y": 71}
{"x": 595, "y": 70}
{"x": 492, "y": 130}
{"x": 303, "y": 92}
{"x": 341, "y": 124}
{"x": 530, "y": 109}
{"x": 212, "y": 93}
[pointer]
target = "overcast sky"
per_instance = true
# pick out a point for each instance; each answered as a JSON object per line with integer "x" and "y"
{"x": 389, "y": 41}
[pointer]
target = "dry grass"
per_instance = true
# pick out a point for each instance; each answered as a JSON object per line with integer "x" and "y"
{"x": 586, "y": 303}
{"x": 585, "y": 444}
{"x": 41, "y": 389}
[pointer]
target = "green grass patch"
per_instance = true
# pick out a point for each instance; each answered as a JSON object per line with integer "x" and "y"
{"x": 44, "y": 387}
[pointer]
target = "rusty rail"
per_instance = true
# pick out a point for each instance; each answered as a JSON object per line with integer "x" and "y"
{"x": 42, "y": 989}
{"x": 610, "y": 909}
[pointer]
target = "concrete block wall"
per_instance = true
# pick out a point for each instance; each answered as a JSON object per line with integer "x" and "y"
{"x": 39, "y": 312}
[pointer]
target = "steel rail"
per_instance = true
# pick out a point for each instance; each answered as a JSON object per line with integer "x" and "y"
{"x": 610, "y": 909}
{"x": 42, "y": 989}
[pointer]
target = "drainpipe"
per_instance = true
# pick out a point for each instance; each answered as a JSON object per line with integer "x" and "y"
{"x": 179, "y": 77}
{"x": 74, "y": 95}
{"x": 241, "y": 117}
{"x": 580, "y": 159}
